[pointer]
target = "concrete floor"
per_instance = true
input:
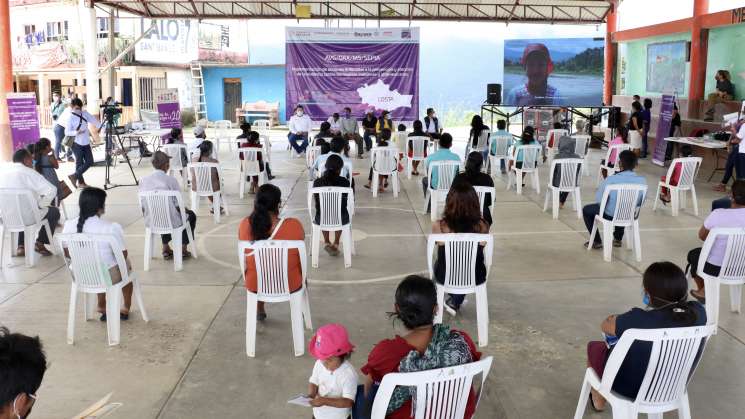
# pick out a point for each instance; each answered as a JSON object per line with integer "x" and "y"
{"x": 547, "y": 297}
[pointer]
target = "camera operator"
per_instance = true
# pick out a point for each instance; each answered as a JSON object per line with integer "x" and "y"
{"x": 77, "y": 126}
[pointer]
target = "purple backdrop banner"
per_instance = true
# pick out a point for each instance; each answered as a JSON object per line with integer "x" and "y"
{"x": 364, "y": 69}
{"x": 24, "y": 119}
{"x": 169, "y": 113}
{"x": 663, "y": 129}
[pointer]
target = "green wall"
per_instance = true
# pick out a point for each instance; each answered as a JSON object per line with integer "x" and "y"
{"x": 631, "y": 77}
{"x": 725, "y": 53}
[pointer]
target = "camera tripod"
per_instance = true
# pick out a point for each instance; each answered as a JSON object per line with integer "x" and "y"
{"x": 110, "y": 135}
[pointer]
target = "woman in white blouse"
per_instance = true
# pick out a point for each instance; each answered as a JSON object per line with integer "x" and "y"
{"x": 92, "y": 207}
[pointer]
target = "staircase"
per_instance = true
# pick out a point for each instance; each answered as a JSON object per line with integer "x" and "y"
{"x": 197, "y": 91}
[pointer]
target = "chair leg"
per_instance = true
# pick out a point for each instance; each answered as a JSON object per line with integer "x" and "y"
{"x": 656, "y": 198}
{"x": 545, "y": 202}
{"x": 30, "y": 235}
{"x": 713, "y": 291}
{"x": 251, "y": 309}
{"x": 434, "y": 198}
{"x": 113, "y": 296}
{"x": 216, "y": 207}
{"x": 137, "y": 291}
{"x": 296, "y": 319}
{"x": 192, "y": 243}
{"x": 440, "y": 303}
{"x": 694, "y": 198}
{"x": 578, "y": 202}
{"x": 178, "y": 254}
{"x": 347, "y": 243}
{"x": 52, "y": 246}
{"x": 654, "y": 416}
{"x": 592, "y": 234}
{"x": 194, "y": 201}
{"x": 555, "y": 203}
{"x": 71, "y": 314}
{"x": 735, "y": 297}
{"x": 675, "y": 200}
{"x": 409, "y": 168}
{"x": 148, "y": 253}
{"x": 241, "y": 184}
{"x": 519, "y": 182}
{"x": 637, "y": 242}
{"x": 374, "y": 185}
{"x": 306, "y": 308}
{"x": 607, "y": 241}
{"x": 482, "y": 315}
{"x": 315, "y": 246}
{"x": 89, "y": 305}
{"x": 2, "y": 245}
{"x": 684, "y": 407}
{"x": 537, "y": 182}
{"x": 395, "y": 184}
{"x": 584, "y": 395}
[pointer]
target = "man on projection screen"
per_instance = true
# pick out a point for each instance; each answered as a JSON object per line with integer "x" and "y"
{"x": 537, "y": 63}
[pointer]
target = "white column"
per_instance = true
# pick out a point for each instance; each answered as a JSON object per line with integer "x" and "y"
{"x": 90, "y": 47}
{"x": 44, "y": 99}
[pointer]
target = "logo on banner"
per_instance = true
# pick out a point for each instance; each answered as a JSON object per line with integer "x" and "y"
{"x": 381, "y": 96}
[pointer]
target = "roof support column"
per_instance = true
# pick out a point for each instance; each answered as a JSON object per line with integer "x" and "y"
{"x": 90, "y": 47}
{"x": 610, "y": 55}
{"x": 699, "y": 51}
{"x": 6, "y": 81}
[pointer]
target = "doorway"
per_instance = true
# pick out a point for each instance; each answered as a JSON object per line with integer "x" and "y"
{"x": 232, "y": 98}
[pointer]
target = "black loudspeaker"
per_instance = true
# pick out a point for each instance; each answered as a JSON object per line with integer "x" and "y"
{"x": 614, "y": 117}
{"x": 494, "y": 94}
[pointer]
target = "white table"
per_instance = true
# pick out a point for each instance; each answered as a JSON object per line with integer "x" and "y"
{"x": 712, "y": 145}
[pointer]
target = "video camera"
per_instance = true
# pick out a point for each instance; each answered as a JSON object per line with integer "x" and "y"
{"x": 111, "y": 109}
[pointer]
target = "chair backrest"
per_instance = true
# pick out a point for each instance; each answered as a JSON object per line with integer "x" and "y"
{"x": 261, "y": 124}
{"x": 401, "y": 138}
{"x": 270, "y": 256}
{"x": 502, "y": 145}
{"x": 385, "y": 160}
{"x": 221, "y": 129}
{"x": 446, "y": 170}
{"x": 440, "y": 393}
{"x": 581, "y": 144}
{"x": 629, "y": 200}
{"x": 460, "y": 257}
{"x": 311, "y": 154}
{"x": 481, "y": 144}
{"x": 18, "y": 208}
{"x": 175, "y": 151}
{"x": 673, "y": 358}
{"x": 732, "y": 270}
{"x": 530, "y": 155}
{"x": 201, "y": 176}
{"x": 481, "y": 191}
{"x": 688, "y": 171}
{"x": 418, "y": 146}
{"x": 330, "y": 200}
{"x": 569, "y": 172}
{"x": 88, "y": 269}
{"x": 156, "y": 205}
{"x": 250, "y": 160}
{"x": 619, "y": 148}
{"x": 556, "y": 133}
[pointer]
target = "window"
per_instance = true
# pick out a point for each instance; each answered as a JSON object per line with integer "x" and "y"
{"x": 29, "y": 29}
{"x": 102, "y": 25}
{"x": 56, "y": 31}
{"x": 148, "y": 85}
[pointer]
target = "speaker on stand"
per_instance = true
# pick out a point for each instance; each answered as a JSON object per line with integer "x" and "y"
{"x": 494, "y": 94}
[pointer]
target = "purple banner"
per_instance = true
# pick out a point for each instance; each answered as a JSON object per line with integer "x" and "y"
{"x": 24, "y": 119}
{"x": 169, "y": 113}
{"x": 326, "y": 77}
{"x": 663, "y": 129}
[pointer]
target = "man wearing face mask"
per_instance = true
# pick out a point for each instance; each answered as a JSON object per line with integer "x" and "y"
{"x": 56, "y": 109}
{"x": 350, "y": 130}
{"x": 22, "y": 367}
{"x": 432, "y": 125}
{"x": 300, "y": 126}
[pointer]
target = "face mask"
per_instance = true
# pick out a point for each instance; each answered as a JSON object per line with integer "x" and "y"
{"x": 15, "y": 410}
{"x": 299, "y": 113}
{"x": 645, "y": 298}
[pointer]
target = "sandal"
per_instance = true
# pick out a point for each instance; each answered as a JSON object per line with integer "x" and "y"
{"x": 720, "y": 187}
{"x": 168, "y": 254}
{"x": 592, "y": 404}
{"x": 39, "y": 248}
{"x": 701, "y": 298}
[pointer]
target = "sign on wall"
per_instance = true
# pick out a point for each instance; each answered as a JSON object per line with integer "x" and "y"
{"x": 24, "y": 118}
{"x": 364, "y": 69}
{"x": 169, "y": 113}
{"x": 172, "y": 41}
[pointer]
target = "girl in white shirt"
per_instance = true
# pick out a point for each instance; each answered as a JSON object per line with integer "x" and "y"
{"x": 92, "y": 207}
{"x": 333, "y": 384}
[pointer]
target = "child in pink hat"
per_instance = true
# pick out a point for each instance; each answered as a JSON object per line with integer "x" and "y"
{"x": 333, "y": 384}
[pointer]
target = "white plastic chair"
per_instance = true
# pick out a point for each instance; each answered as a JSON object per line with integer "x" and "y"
{"x": 311, "y": 154}
{"x": 674, "y": 356}
{"x": 91, "y": 276}
{"x": 481, "y": 191}
{"x": 460, "y": 273}
{"x": 20, "y": 213}
{"x": 732, "y": 271}
{"x": 157, "y": 207}
{"x": 556, "y": 133}
{"x": 446, "y": 172}
{"x": 201, "y": 177}
{"x": 615, "y": 168}
{"x": 266, "y": 147}
{"x": 530, "y": 154}
{"x": 688, "y": 173}
{"x": 249, "y": 166}
{"x": 418, "y": 146}
{"x": 482, "y": 144}
{"x": 440, "y": 393}
{"x": 569, "y": 182}
{"x": 262, "y": 125}
{"x": 384, "y": 162}
{"x": 175, "y": 166}
{"x": 502, "y": 151}
{"x": 582, "y": 148}
{"x": 629, "y": 201}
{"x": 222, "y": 134}
{"x": 330, "y": 200}
{"x": 272, "y": 286}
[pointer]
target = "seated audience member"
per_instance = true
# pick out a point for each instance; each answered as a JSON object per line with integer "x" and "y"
{"x": 622, "y": 137}
{"x": 477, "y": 127}
{"x": 734, "y": 217}
{"x": 664, "y": 298}
{"x": 401, "y": 143}
{"x": 725, "y": 202}
{"x": 432, "y": 125}
{"x": 159, "y": 180}
{"x": 424, "y": 346}
{"x": 551, "y": 139}
{"x": 92, "y": 208}
{"x": 299, "y": 126}
{"x": 566, "y": 151}
{"x": 628, "y": 161}
{"x": 442, "y": 154}
{"x": 384, "y": 122}
{"x": 350, "y": 130}
{"x": 205, "y": 156}
{"x": 324, "y": 132}
{"x": 21, "y": 175}
{"x": 685, "y": 151}
{"x": 177, "y": 137}
{"x": 22, "y": 367}
{"x": 252, "y": 141}
{"x": 334, "y": 124}
{"x": 369, "y": 124}
{"x": 199, "y": 136}
{"x": 243, "y": 141}
{"x": 725, "y": 90}
{"x": 332, "y": 387}
{"x": 336, "y": 147}
{"x": 501, "y": 132}
{"x": 462, "y": 215}
{"x": 46, "y": 164}
{"x": 527, "y": 138}
{"x": 332, "y": 177}
{"x": 264, "y": 223}
{"x": 383, "y": 141}
{"x": 475, "y": 177}
{"x": 417, "y": 131}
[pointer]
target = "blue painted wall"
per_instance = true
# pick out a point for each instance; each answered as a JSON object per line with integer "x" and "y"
{"x": 257, "y": 83}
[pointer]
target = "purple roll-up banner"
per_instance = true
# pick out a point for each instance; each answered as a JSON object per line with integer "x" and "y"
{"x": 24, "y": 118}
{"x": 363, "y": 69}
{"x": 663, "y": 129}
{"x": 169, "y": 113}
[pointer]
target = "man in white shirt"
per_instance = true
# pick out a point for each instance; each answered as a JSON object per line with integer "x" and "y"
{"x": 20, "y": 175}
{"x": 432, "y": 125}
{"x": 159, "y": 180}
{"x": 337, "y": 147}
{"x": 335, "y": 123}
{"x": 300, "y": 126}
{"x": 350, "y": 130}
{"x": 77, "y": 126}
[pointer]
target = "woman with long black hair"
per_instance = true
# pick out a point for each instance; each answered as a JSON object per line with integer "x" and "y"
{"x": 332, "y": 177}
{"x": 475, "y": 177}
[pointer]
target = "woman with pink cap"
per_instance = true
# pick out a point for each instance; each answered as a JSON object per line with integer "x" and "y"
{"x": 333, "y": 384}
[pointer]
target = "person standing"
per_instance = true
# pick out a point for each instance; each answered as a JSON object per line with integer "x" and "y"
{"x": 60, "y": 113}
{"x": 646, "y": 122}
{"x": 432, "y": 125}
{"x": 636, "y": 128}
{"x": 368, "y": 125}
{"x": 350, "y": 131}
{"x": 77, "y": 126}
{"x": 735, "y": 159}
{"x": 300, "y": 126}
